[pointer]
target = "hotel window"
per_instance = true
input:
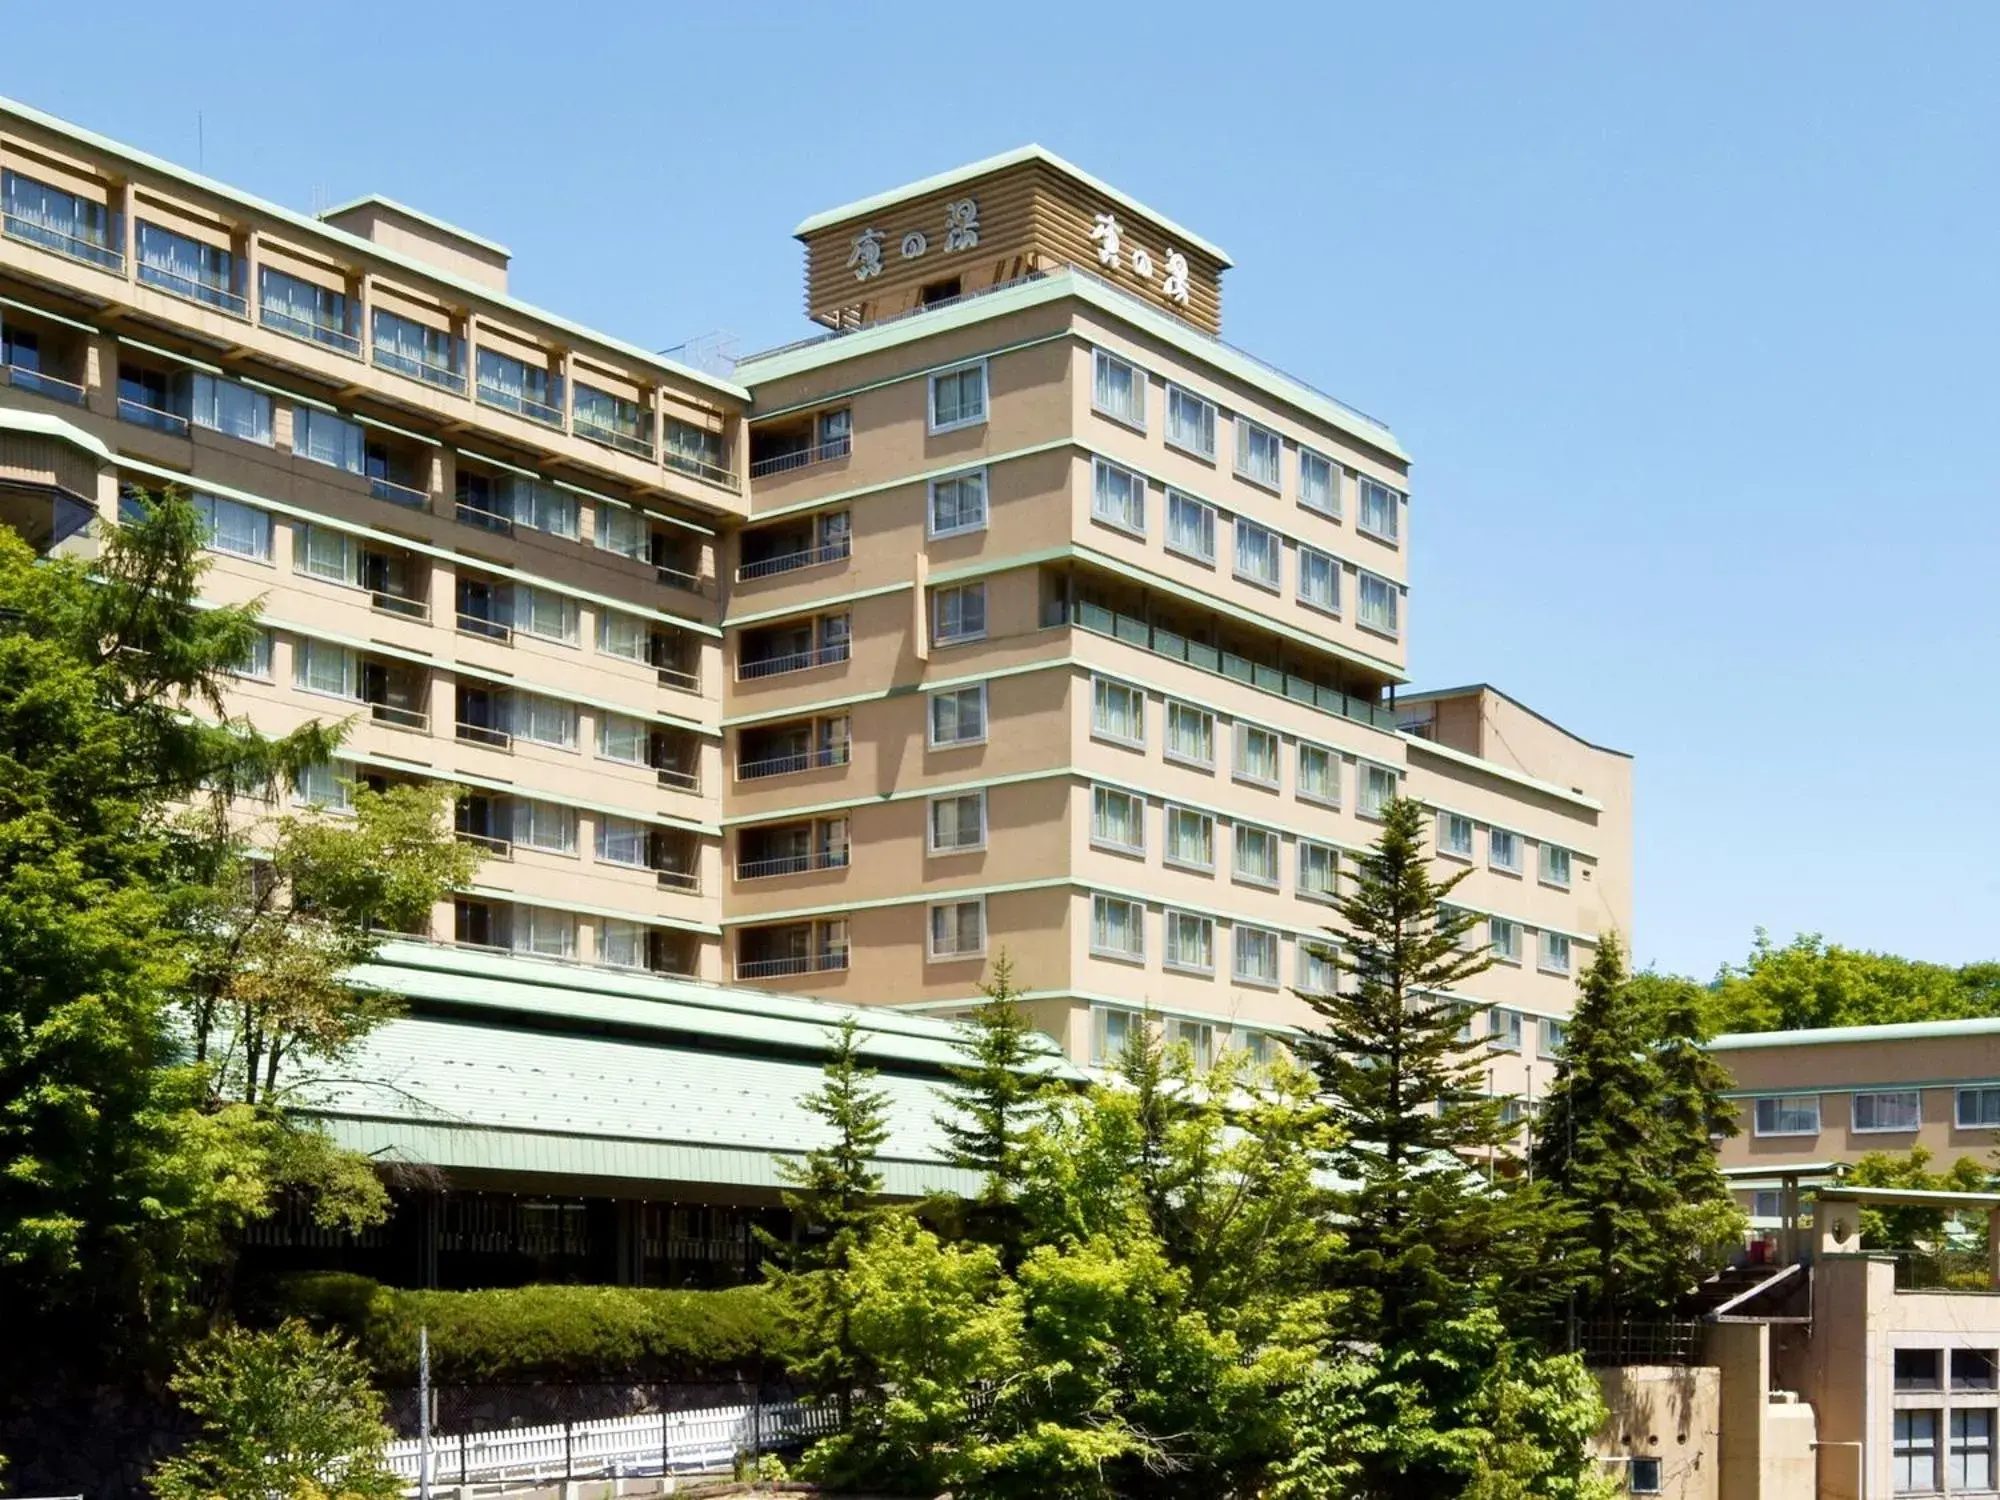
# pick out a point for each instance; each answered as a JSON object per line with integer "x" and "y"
{"x": 1642, "y": 1475}
{"x": 622, "y": 635}
{"x": 1899, "y": 1110}
{"x": 1918, "y": 1369}
{"x": 1259, "y": 554}
{"x": 545, "y": 615}
{"x": 1913, "y": 1455}
{"x": 1117, "y": 820}
{"x": 1319, "y": 774}
{"x": 1380, "y": 508}
{"x": 239, "y": 530}
{"x": 958, "y": 614}
{"x": 1190, "y": 735}
{"x": 433, "y": 355}
{"x": 1190, "y": 839}
{"x": 543, "y": 720}
{"x": 326, "y": 785}
{"x": 305, "y": 310}
{"x": 1555, "y": 865}
{"x": 621, "y": 944}
{"x": 517, "y": 386}
{"x": 1118, "y": 497}
{"x": 185, "y": 266}
{"x": 326, "y": 439}
{"x": 256, "y": 658}
{"x": 1503, "y": 1030}
{"x": 1118, "y": 389}
{"x": 1197, "y": 1036}
{"x": 1319, "y": 483}
{"x": 545, "y": 826}
{"x": 1554, "y": 1035}
{"x": 958, "y": 504}
{"x": 1319, "y": 871}
{"x": 624, "y": 841}
{"x": 1319, "y": 972}
{"x": 958, "y": 717}
{"x": 1767, "y": 1203}
{"x": 1117, "y": 712}
{"x": 958, "y": 398}
{"x": 1190, "y": 527}
{"x": 1787, "y": 1114}
{"x": 1454, "y": 835}
{"x": 1190, "y": 942}
{"x": 958, "y": 929}
{"x": 322, "y": 552}
{"x": 1552, "y": 954}
{"x": 1512, "y": 1110}
{"x": 1319, "y": 580}
{"x": 1503, "y": 850}
{"x": 1378, "y": 789}
{"x": 1257, "y": 855}
{"x": 1970, "y": 1465}
{"x": 1114, "y": 1032}
{"x": 622, "y": 531}
{"x": 1255, "y": 951}
{"x": 535, "y": 929}
{"x": 623, "y": 739}
{"x": 543, "y": 507}
{"x": 1256, "y": 755}
{"x": 226, "y": 407}
{"x": 1258, "y": 451}
{"x": 1503, "y": 936}
{"x": 1117, "y": 928}
{"x": 1979, "y": 1109}
{"x": 318, "y": 667}
{"x": 1378, "y": 603}
{"x": 1190, "y": 422}
{"x": 958, "y": 823}
{"x": 1974, "y": 1370}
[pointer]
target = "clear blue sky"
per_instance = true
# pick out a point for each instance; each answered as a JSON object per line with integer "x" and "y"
{"x": 1688, "y": 313}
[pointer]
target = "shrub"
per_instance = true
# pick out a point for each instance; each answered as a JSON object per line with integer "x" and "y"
{"x": 553, "y": 1333}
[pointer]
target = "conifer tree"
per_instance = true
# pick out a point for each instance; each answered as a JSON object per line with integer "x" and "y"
{"x": 1694, "y": 1113}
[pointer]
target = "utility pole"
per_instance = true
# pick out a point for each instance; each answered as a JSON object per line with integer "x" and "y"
{"x": 424, "y": 1412}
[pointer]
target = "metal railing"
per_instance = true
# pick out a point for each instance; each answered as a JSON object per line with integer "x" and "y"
{"x": 493, "y": 630}
{"x": 795, "y": 661}
{"x": 399, "y": 494}
{"x": 802, "y": 458}
{"x": 488, "y": 520}
{"x": 677, "y": 780}
{"x": 496, "y": 848}
{"x": 505, "y": 400}
{"x": 674, "y": 677}
{"x": 480, "y": 734}
{"x": 833, "y": 960}
{"x": 791, "y": 562}
{"x": 1633, "y": 1341}
{"x": 194, "y": 289}
{"x": 278, "y": 320}
{"x": 142, "y": 415}
{"x": 398, "y": 604}
{"x": 1950, "y": 1268}
{"x": 97, "y": 253}
{"x": 799, "y": 760}
{"x": 442, "y": 376}
{"x": 24, "y": 379}
{"x": 399, "y": 718}
{"x": 674, "y": 578}
{"x": 792, "y": 864}
{"x": 678, "y": 880}
{"x": 612, "y": 437}
{"x": 701, "y": 468}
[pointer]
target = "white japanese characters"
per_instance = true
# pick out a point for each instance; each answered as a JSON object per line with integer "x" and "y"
{"x": 1110, "y": 240}
{"x": 866, "y": 259}
{"x": 961, "y": 224}
{"x": 961, "y": 232}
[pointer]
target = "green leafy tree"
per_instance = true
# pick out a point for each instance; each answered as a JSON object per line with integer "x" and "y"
{"x": 1910, "y": 1226}
{"x": 1809, "y": 982}
{"x": 836, "y": 1195}
{"x": 282, "y": 1412}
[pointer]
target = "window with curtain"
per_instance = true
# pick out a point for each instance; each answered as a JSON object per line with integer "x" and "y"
{"x": 1319, "y": 774}
{"x": 434, "y": 355}
{"x": 50, "y": 216}
{"x": 1117, "y": 927}
{"x": 1190, "y": 422}
{"x": 1889, "y": 1110}
{"x": 1319, "y": 870}
{"x": 958, "y": 504}
{"x": 545, "y": 826}
{"x": 1117, "y": 820}
{"x": 1190, "y": 735}
{"x": 1319, "y": 483}
{"x": 1319, "y": 580}
{"x": 1318, "y": 973}
{"x": 536, "y": 929}
{"x": 1190, "y": 527}
{"x": 227, "y": 407}
{"x": 1257, "y": 855}
{"x": 1503, "y": 936}
{"x": 187, "y": 267}
{"x": 1259, "y": 553}
{"x": 958, "y": 929}
{"x": 1380, "y": 603}
{"x": 958, "y": 613}
{"x": 1256, "y": 755}
{"x": 1503, "y": 850}
{"x": 327, "y": 439}
{"x": 622, "y": 738}
{"x": 1258, "y": 453}
{"x": 1190, "y": 942}
{"x": 540, "y": 612}
{"x": 1454, "y": 835}
{"x": 1786, "y": 1114}
{"x": 1114, "y": 1033}
{"x": 958, "y": 717}
{"x": 232, "y": 527}
{"x": 622, "y": 635}
{"x": 327, "y": 785}
{"x": 318, "y": 667}
{"x": 1118, "y": 389}
{"x": 1256, "y": 954}
{"x": 1196, "y": 1036}
{"x": 322, "y": 552}
{"x": 293, "y": 305}
{"x": 540, "y": 506}
{"x": 256, "y": 658}
{"x": 1555, "y": 864}
{"x": 623, "y": 841}
{"x": 958, "y": 823}
{"x": 543, "y": 720}
{"x": 1381, "y": 509}
{"x": 1118, "y": 497}
{"x": 621, "y": 944}
{"x": 621, "y": 531}
{"x": 1118, "y": 712}
{"x": 1190, "y": 838}
{"x": 1553, "y": 953}
{"x": 958, "y": 398}
{"x": 1378, "y": 789}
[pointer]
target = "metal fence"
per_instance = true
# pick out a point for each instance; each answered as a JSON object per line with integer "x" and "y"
{"x": 1633, "y": 1341}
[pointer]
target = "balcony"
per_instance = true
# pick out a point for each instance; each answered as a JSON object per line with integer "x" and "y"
{"x": 487, "y": 520}
{"x": 313, "y": 330}
{"x": 400, "y": 718}
{"x": 792, "y": 864}
{"x": 155, "y": 417}
{"x": 488, "y": 846}
{"x": 794, "y": 760}
{"x": 492, "y": 630}
{"x": 801, "y": 458}
{"x": 195, "y": 289}
{"x": 398, "y": 604}
{"x": 793, "y": 661}
{"x": 24, "y": 379}
{"x": 687, "y": 882}
{"x": 833, "y": 960}
{"x": 677, "y": 780}
{"x": 93, "y": 247}
{"x": 444, "y": 377}
{"x": 791, "y": 562}
{"x": 522, "y": 405}
{"x": 484, "y": 734}
{"x": 399, "y": 494}
{"x": 628, "y": 431}
{"x": 674, "y": 677}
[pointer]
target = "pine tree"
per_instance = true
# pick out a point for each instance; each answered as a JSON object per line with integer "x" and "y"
{"x": 1404, "y": 1083}
{"x": 998, "y": 1095}
{"x": 1695, "y": 1112}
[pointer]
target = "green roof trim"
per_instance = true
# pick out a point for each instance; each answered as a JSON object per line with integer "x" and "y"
{"x": 972, "y": 171}
{"x": 39, "y": 424}
{"x": 431, "y": 221}
{"x": 1824, "y": 1036}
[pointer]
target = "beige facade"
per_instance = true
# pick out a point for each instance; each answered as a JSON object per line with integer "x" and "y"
{"x": 1018, "y": 614}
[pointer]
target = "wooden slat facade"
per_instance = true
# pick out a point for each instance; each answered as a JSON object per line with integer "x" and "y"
{"x": 1031, "y": 216}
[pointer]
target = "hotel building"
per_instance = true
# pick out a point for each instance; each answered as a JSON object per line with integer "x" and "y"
{"x": 1015, "y": 610}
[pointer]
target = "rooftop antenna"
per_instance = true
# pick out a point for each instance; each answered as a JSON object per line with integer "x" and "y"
{"x": 713, "y": 353}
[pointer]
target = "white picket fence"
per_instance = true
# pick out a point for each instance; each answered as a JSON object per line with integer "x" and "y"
{"x": 655, "y": 1443}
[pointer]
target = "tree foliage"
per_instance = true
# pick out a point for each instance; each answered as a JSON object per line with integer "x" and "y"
{"x": 1811, "y": 982}
{"x": 1911, "y": 1226}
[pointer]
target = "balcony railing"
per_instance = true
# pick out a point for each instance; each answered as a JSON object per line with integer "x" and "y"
{"x": 678, "y": 880}
{"x": 1163, "y": 642}
{"x": 399, "y": 718}
{"x": 833, "y": 960}
{"x": 796, "y": 661}
{"x": 152, "y": 416}
{"x": 791, "y": 562}
{"x": 399, "y": 604}
{"x": 674, "y": 677}
{"x": 480, "y": 734}
{"x": 798, "y": 760}
{"x": 493, "y": 630}
{"x": 488, "y": 520}
{"x": 674, "y": 578}
{"x": 802, "y": 458}
{"x": 24, "y": 379}
{"x": 679, "y": 781}
{"x": 701, "y": 468}
{"x": 282, "y": 320}
{"x": 442, "y": 376}
{"x": 194, "y": 289}
{"x": 486, "y": 843}
{"x": 94, "y": 252}
{"x": 520, "y": 405}
{"x": 792, "y": 864}
{"x": 612, "y": 437}
{"x": 399, "y": 494}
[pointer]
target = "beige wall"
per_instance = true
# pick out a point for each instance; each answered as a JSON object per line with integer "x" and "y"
{"x": 1669, "y": 1413}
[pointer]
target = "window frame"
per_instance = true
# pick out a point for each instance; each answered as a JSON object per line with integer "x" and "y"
{"x": 939, "y": 533}
{"x": 1140, "y": 382}
{"x": 1137, "y": 909}
{"x": 1914, "y": 1096}
{"x": 932, "y": 425}
{"x": 1981, "y": 1092}
{"x": 956, "y": 955}
{"x": 1543, "y": 865}
{"x": 1175, "y": 707}
{"x": 1777, "y": 1101}
{"x": 1907, "y": 1450}
{"x": 1394, "y": 535}
{"x": 1311, "y": 892}
{"x": 1213, "y": 420}
{"x": 1309, "y": 557}
{"x": 1099, "y": 468}
{"x": 1180, "y": 965}
{"x": 1274, "y": 582}
{"x": 1394, "y": 629}
{"x": 1238, "y": 932}
{"x": 1361, "y": 774}
{"x": 1101, "y": 793}
{"x": 1449, "y": 851}
{"x": 932, "y": 847}
{"x": 1331, "y": 511}
{"x": 1239, "y": 769}
{"x": 932, "y": 699}
{"x": 1241, "y": 833}
{"x": 1245, "y": 426}
{"x": 939, "y": 592}
{"x": 1504, "y": 953}
{"x": 1546, "y": 949}
{"x": 1494, "y": 837}
{"x": 1168, "y": 856}
{"x": 1210, "y": 516}
{"x": 1098, "y": 685}
{"x": 1334, "y": 762}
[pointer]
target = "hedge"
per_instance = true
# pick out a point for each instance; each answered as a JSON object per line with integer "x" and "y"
{"x": 541, "y": 1333}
